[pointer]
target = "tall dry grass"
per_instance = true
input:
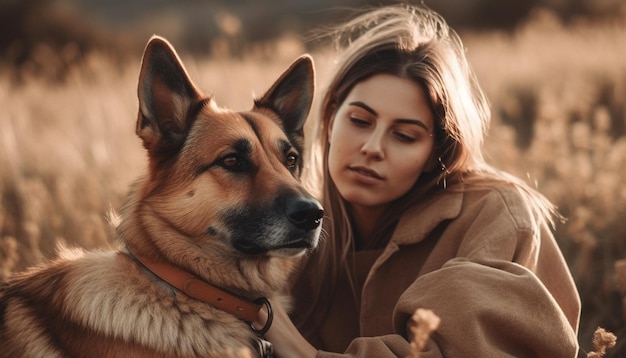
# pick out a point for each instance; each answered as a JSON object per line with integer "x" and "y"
{"x": 68, "y": 150}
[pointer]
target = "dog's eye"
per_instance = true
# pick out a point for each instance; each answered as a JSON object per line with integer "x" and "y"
{"x": 233, "y": 162}
{"x": 292, "y": 161}
{"x": 230, "y": 161}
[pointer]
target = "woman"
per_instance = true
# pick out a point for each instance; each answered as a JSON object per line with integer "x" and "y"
{"x": 415, "y": 216}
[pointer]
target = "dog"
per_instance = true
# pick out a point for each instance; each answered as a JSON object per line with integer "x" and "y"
{"x": 213, "y": 228}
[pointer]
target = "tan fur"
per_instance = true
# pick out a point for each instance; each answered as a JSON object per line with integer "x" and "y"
{"x": 238, "y": 225}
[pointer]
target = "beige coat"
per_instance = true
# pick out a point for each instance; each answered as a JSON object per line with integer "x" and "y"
{"x": 480, "y": 261}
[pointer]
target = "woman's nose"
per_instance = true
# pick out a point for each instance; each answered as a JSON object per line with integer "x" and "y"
{"x": 373, "y": 146}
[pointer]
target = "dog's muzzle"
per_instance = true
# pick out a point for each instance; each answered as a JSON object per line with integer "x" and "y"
{"x": 305, "y": 213}
{"x": 287, "y": 228}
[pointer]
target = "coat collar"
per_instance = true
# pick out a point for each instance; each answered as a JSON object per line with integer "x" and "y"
{"x": 418, "y": 221}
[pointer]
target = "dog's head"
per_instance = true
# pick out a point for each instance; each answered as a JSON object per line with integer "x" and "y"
{"x": 220, "y": 180}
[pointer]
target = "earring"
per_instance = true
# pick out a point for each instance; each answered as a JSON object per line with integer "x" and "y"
{"x": 444, "y": 173}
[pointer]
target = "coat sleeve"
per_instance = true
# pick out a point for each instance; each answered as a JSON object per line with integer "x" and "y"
{"x": 487, "y": 309}
{"x": 391, "y": 345}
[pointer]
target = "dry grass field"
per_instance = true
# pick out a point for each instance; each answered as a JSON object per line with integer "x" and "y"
{"x": 68, "y": 150}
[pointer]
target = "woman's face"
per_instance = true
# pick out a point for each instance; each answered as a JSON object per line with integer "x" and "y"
{"x": 381, "y": 140}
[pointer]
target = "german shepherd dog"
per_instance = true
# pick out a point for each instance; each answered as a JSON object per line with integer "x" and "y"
{"x": 214, "y": 228}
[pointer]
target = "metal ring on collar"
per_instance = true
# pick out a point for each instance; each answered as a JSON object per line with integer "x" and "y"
{"x": 270, "y": 317}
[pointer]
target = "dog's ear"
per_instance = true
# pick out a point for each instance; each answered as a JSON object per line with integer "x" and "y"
{"x": 291, "y": 96}
{"x": 166, "y": 96}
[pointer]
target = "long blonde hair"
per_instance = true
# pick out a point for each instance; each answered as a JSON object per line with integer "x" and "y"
{"x": 415, "y": 43}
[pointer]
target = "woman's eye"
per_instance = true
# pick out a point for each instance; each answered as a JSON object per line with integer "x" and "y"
{"x": 404, "y": 137}
{"x": 359, "y": 122}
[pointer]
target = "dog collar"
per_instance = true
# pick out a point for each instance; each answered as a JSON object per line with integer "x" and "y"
{"x": 195, "y": 287}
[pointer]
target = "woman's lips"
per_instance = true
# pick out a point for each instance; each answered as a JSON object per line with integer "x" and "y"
{"x": 367, "y": 172}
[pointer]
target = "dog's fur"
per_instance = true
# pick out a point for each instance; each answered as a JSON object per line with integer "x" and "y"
{"x": 220, "y": 199}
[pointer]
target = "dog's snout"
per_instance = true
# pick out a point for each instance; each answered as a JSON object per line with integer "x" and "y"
{"x": 305, "y": 213}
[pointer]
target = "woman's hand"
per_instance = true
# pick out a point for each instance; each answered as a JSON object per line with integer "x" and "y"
{"x": 283, "y": 334}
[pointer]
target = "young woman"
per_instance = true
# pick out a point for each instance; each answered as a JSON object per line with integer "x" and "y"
{"x": 415, "y": 216}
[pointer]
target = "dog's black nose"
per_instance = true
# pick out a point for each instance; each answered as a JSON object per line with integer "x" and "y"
{"x": 305, "y": 213}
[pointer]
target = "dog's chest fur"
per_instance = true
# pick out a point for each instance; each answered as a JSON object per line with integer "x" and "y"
{"x": 126, "y": 310}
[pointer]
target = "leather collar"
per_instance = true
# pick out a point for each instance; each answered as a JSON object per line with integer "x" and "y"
{"x": 195, "y": 287}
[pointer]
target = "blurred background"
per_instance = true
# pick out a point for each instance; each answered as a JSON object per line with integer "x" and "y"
{"x": 554, "y": 71}
{"x": 202, "y": 26}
